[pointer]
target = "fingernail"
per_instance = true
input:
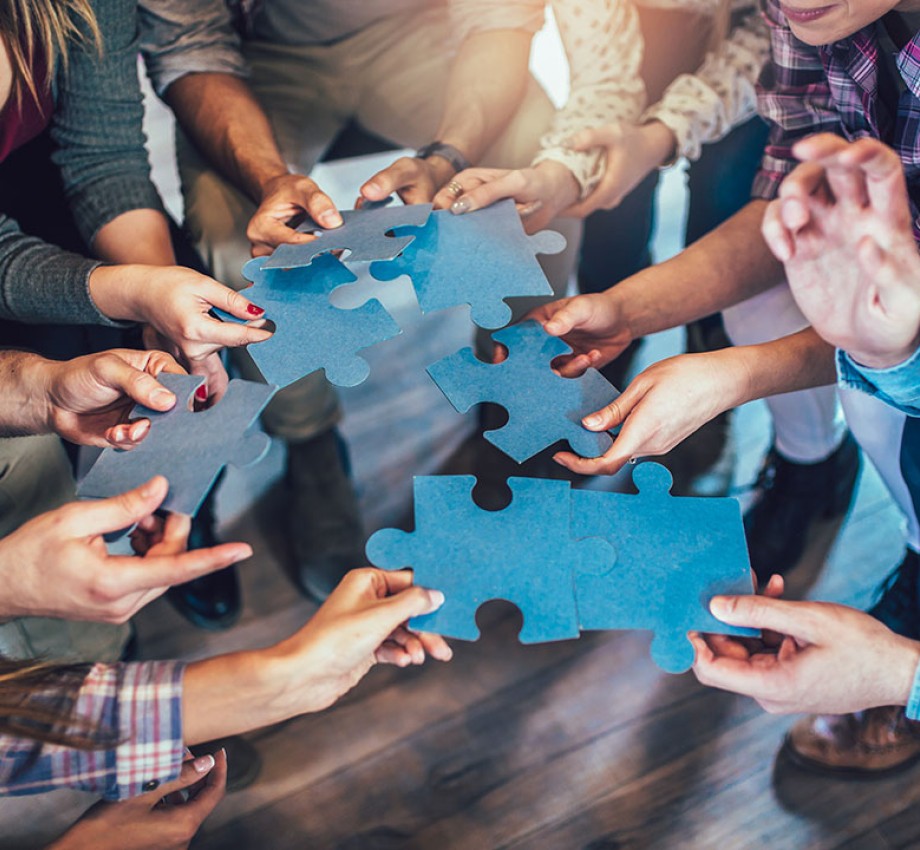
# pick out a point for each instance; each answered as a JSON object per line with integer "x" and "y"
{"x": 253, "y": 310}
{"x": 436, "y": 597}
{"x": 161, "y": 396}
{"x": 461, "y": 206}
{"x": 203, "y": 764}
{"x": 717, "y": 607}
{"x": 592, "y": 420}
{"x": 119, "y": 436}
{"x": 330, "y": 218}
{"x": 201, "y": 393}
{"x": 372, "y": 187}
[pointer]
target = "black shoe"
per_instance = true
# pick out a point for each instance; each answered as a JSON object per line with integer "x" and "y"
{"x": 897, "y": 604}
{"x": 213, "y": 601}
{"x": 244, "y": 764}
{"x": 324, "y": 522}
{"x": 793, "y": 497}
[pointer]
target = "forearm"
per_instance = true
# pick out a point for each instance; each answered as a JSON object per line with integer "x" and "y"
{"x": 486, "y": 86}
{"x": 222, "y": 117}
{"x": 137, "y": 236}
{"x": 725, "y": 267}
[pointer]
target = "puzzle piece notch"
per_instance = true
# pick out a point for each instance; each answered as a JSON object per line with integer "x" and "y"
{"x": 364, "y": 234}
{"x": 310, "y": 332}
{"x": 543, "y": 407}
{"x": 674, "y": 555}
{"x": 523, "y": 554}
{"x": 479, "y": 258}
{"x": 206, "y": 441}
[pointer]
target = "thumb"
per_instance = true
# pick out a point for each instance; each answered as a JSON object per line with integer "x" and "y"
{"x": 193, "y": 770}
{"x": 569, "y": 315}
{"x": 92, "y": 518}
{"x": 138, "y": 385}
{"x": 761, "y": 612}
{"x": 609, "y": 416}
{"x": 593, "y": 137}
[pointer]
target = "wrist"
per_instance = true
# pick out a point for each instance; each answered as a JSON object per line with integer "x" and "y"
{"x": 117, "y": 292}
{"x": 660, "y": 142}
{"x": 885, "y": 359}
{"x": 562, "y": 189}
{"x": 268, "y": 180}
{"x": 904, "y": 677}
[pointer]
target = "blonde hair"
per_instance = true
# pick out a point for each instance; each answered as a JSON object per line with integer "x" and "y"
{"x": 44, "y": 29}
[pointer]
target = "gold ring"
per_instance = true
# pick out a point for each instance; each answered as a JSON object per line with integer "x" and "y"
{"x": 454, "y": 188}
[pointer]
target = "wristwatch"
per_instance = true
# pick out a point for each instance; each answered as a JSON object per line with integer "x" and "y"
{"x": 457, "y": 160}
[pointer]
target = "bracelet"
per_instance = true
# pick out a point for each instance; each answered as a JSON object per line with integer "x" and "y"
{"x": 912, "y": 711}
{"x": 457, "y": 160}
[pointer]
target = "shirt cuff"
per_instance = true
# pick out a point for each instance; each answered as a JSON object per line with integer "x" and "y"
{"x": 897, "y": 386}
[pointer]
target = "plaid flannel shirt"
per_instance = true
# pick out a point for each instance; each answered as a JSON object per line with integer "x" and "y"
{"x": 834, "y": 88}
{"x": 139, "y": 706}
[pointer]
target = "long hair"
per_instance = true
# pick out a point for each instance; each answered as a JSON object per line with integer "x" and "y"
{"x": 44, "y": 30}
{"x": 37, "y": 701}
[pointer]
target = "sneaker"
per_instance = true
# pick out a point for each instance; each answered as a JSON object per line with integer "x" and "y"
{"x": 896, "y": 600}
{"x": 792, "y": 498}
{"x": 870, "y": 743}
{"x": 324, "y": 522}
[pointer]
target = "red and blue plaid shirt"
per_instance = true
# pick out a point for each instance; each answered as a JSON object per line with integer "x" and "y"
{"x": 835, "y": 88}
{"x": 137, "y": 705}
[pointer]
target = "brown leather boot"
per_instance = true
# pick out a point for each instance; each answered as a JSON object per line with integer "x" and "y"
{"x": 869, "y": 743}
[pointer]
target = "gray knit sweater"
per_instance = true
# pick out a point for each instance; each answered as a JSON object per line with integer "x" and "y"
{"x": 99, "y": 149}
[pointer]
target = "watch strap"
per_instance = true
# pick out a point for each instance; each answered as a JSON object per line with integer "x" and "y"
{"x": 457, "y": 160}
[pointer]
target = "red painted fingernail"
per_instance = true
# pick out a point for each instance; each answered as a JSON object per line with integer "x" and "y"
{"x": 253, "y": 310}
{"x": 201, "y": 393}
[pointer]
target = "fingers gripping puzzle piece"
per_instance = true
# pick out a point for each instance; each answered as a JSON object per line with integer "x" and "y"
{"x": 479, "y": 259}
{"x": 189, "y": 448}
{"x": 542, "y": 406}
{"x": 674, "y": 555}
{"x": 523, "y": 554}
{"x": 364, "y": 234}
{"x": 310, "y": 333}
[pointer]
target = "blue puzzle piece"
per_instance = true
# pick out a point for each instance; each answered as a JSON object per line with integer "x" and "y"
{"x": 364, "y": 234}
{"x": 523, "y": 554}
{"x": 673, "y": 555}
{"x": 189, "y": 448}
{"x": 543, "y": 407}
{"x": 310, "y": 333}
{"x": 479, "y": 259}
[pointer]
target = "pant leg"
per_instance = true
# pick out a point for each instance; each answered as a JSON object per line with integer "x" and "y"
{"x": 808, "y": 425}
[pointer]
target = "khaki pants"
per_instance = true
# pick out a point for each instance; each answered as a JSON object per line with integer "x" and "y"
{"x": 35, "y": 477}
{"x": 390, "y": 78}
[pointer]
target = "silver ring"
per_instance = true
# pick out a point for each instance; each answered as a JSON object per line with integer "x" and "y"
{"x": 454, "y": 188}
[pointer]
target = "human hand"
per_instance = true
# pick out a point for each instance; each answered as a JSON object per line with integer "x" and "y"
{"x": 176, "y": 302}
{"x": 632, "y": 153}
{"x": 165, "y": 819}
{"x": 662, "y": 406}
{"x": 57, "y": 564}
{"x": 90, "y": 398}
{"x": 415, "y": 180}
{"x": 211, "y": 367}
{"x": 832, "y": 659}
{"x": 286, "y": 197}
{"x": 361, "y": 623}
{"x": 842, "y": 227}
{"x": 539, "y": 193}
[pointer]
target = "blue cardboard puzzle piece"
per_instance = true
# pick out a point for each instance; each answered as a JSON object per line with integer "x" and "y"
{"x": 189, "y": 448}
{"x": 523, "y": 554}
{"x": 310, "y": 333}
{"x": 479, "y": 259}
{"x": 673, "y": 555}
{"x": 542, "y": 406}
{"x": 364, "y": 234}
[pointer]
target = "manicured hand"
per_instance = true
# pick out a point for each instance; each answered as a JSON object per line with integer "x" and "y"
{"x": 90, "y": 398}
{"x": 57, "y": 564}
{"x": 362, "y": 622}
{"x": 161, "y": 820}
{"x": 632, "y": 153}
{"x": 287, "y": 197}
{"x": 842, "y": 227}
{"x": 539, "y": 193}
{"x": 416, "y": 181}
{"x": 832, "y": 659}
{"x": 661, "y": 407}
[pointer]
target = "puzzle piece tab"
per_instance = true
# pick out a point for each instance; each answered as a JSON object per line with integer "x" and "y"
{"x": 310, "y": 333}
{"x": 189, "y": 448}
{"x": 364, "y": 234}
{"x": 523, "y": 554}
{"x": 673, "y": 555}
{"x": 543, "y": 407}
{"x": 479, "y": 259}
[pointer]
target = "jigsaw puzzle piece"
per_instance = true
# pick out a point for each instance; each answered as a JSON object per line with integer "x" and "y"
{"x": 523, "y": 554}
{"x": 674, "y": 555}
{"x": 310, "y": 333}
{"x": 364, "y": 234}
{"x": 543, "y": 407}
{"x": 480, "y": 259}
{"x": 189, "y": 448}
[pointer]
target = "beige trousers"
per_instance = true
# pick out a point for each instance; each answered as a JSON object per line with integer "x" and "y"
{"x": 390, "y": 78}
